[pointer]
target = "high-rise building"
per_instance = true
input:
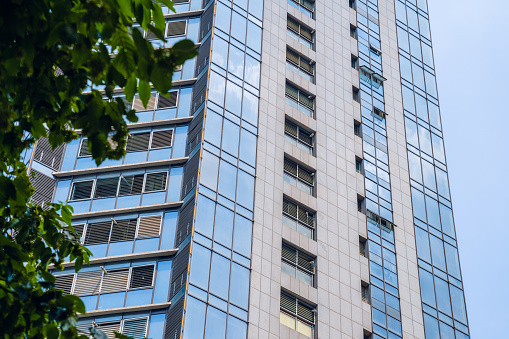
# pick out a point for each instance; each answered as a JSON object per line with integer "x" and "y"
{"x": 294, "y": 185}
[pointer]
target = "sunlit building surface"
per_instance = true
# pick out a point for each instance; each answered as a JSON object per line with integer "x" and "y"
{"x": 293, "y": 186}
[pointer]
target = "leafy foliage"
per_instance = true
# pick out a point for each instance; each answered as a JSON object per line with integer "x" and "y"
{"x": 59, "y": 59}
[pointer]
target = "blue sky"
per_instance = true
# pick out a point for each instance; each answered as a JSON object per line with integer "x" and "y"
{"x": 471, "y": 47}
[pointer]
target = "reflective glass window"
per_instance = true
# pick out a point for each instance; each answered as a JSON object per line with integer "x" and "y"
{"x": 195, "y": 319}
{"x": 443, "y": 301}
{"x": 223, "y": 229}
{"x": 216, "y": 324}
{"x": 239, "y": 22}
{"x": 422, "y": 240}
{"x": 427, "y": 287}
{"x": 227, "y": 180}
{"x": 458, "y": 304}
{"x": 200, "y": 265}
{"x": 219, "y": 276}
{"x": 437, "y": 252}
{"x": 431, "y": 327}
{"x": 231, "y": 137}
{"x": 208, "y": 175}
{"x": 418, "y": 204}
{"x": 453, "y": 264}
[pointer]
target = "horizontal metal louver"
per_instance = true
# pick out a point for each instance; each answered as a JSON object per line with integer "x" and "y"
{"x": 135, "y": 328}
{"x": 306, "y": 100}
{"x": 98, "y": 233}
{"x": 306, "y": 312}
{"x": 84, "y": 329}
{"x": 290, "y": 208}
{"x": 291, "y": 128}
{"x": 110, "y": 328}
{"x": 288, "y": 303}
{"x": 305, "y": 175}
{"x": 149, "y": 226}
{"x": 79, "y": 231}
{"x": 123, "y": 230}
{"x": 138, "y": 105}
{"x": 132, "y": 184}
{"x": 306, "y": 217}
{"x": 290, "y": 167}
{"x": 115, "y": 281}
{"x": 292, "y": 24}
{"x": 305, "y": 137}
{"x": 82, "y": 190}
{"x": 106, "y": 188}
{"x": 306, "y": 33}
{"x": 64, "y": 282}
{"x": 152, "y": 101}
{"x": 289, "y": 253}
{"x": 142, "y": 276}
{"x": 306, "y": 65}
{"x": 156, "y": 181}
{"x": 48, "y": 156}
{"x": 292, "y": 56}
{"x": 305, "y": 261}
{"x": 176, "y": 28}
{"x": 151, "y": 36}
{"x": 87, "y": 283}
{"x": 309, "y": 5}
{"x": 44, "y": 186}
{"x": 162, "y": 138}
{"x": 292, "y": 91}
{"x": 365, "y": 293}
{"x": 84, "y": 152}
{"x": 165, "y": 102}
{"x": 138, "y": 142}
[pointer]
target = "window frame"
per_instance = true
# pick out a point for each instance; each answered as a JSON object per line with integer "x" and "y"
{"x": 92, "y": 190}
{"x": 298, "y": 35}
{"x": 297, "y": 68}
{"x": 295, "y": 314}
{"x": 297, "y": 220}
{"x": 311, "y": 135}
{"x": 299, "y": 4}
{"x": 172, "y": 129}
{"x": 300, "y": 105}
{"x": 296, "y": 176}
{"x": 295, "y": 265}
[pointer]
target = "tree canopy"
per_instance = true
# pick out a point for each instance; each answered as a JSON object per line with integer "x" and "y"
{"x": 60, "y": 63}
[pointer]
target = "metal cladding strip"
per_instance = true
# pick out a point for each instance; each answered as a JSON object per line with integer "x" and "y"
{"x": 443, "y": 301}
{"x": 383, "y": 291}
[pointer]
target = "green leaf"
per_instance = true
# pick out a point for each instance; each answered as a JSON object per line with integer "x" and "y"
{"x": 144, "y": 92}
{"x": 66, "y": 214}
{"x": 130, "y": 88}
{"x": 168, "y": 3}
{"x": 121, "y": 336}
{"x": 125, "y": 7}
{"x": 78, "y": 303}
{"x": 158, "y": 17}
{"x": 124, "y": 62}
{"x": 161, "y": 78}
{"x": 52, "y": 331}
{"x": 183, "y": 50}
{"x": 78, "y": 264}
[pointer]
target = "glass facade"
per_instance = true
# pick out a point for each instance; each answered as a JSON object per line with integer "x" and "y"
{"x": 441, "y": 285}
{"x": 174, "y": 225}
{"x": 219, "y": 279}
{"x": 384, "y": 293}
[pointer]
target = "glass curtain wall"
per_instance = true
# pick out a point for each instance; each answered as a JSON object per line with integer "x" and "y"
{"x": 383, "y": 289}
{"x": 442, "y": 294}
{"x": 218, "y": 290}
